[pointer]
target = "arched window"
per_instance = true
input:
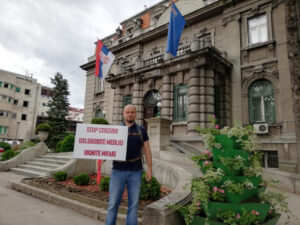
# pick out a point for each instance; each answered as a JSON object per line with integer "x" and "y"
{"x": 99, "y": 114}
{"x": 261, "y": 102}
{"x": 152, "y": 98}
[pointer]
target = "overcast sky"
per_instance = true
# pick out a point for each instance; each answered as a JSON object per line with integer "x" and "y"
{"x": 42, "y": 37}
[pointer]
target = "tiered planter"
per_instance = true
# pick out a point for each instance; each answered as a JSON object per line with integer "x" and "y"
{"x": 198, "y": 220}
{"x": 236, "y": 202}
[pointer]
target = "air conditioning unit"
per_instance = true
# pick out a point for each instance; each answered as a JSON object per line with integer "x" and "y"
{"x": 261, "y": 128}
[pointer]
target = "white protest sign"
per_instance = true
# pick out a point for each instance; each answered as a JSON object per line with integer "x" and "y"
{"x": 95, "y": 141}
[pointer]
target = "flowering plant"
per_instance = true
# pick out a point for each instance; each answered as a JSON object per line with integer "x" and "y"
{"x": 245, "y": 135}
{"x": 208, "y": 133}
{"x": 206, "y": 155}
{"x": 278, "y": 203}
{"x": 238, "y": 188}
{"x": 207, "y": 165}
{"x": 218, "y": 194}
{"x": 213, "y": 176}
{"x": 233, "y": 163}
{"x": 245, "y": 218}
{"x": 255, "y": 168}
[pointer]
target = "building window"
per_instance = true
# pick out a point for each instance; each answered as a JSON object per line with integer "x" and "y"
{"x": 6, "y": 85}
{"x": 24, "y": 117}
{"x": 14, "y": 115}
{"x": 18, "y": 89}
{"x": 11, "y": 86}
{"x": 180, "y": 102}
{"x": 44, "y": 104}
{"x": 27, "y": 92}
{"x": 270, "y": 159}
{"x": 258, "y": 31}
{"x": 25, "y": 103}
{"x": 16, "y": 102}
{"x": 261, "y": 102}
{"x": 127, "y": 100}
{"x": 100, "y": 84}
{"x": 99, "y": 114}
{"x": 3, "y": 130}
{"x": 0, "y": 83}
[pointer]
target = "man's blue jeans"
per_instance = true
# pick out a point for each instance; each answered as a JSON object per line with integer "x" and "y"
{"x": 118, "y": 180}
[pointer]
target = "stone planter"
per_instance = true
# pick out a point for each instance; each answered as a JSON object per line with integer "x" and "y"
{"x": 43, "y": 135}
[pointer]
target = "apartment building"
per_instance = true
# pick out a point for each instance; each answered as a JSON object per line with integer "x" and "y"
{"x": 19, "y": 96}
{"x": 232, "y": 62}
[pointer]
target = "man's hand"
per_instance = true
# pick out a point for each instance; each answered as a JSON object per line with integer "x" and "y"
{"x": 148, "y": 175}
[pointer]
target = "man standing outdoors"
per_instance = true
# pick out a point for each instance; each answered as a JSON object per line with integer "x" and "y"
{"x": 129, "y": 173}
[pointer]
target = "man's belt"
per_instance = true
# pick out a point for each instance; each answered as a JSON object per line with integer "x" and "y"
{"x": 130, "y": 160}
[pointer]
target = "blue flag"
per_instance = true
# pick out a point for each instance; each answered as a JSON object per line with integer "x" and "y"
{"x": 176, "y": 26}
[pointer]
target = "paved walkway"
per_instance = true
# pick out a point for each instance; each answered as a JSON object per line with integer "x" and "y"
{"x": 294, "y": 206}
{"x": 20, "y": 209}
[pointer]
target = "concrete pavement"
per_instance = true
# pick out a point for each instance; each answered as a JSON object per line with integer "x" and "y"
{"x": 20, "y": 209}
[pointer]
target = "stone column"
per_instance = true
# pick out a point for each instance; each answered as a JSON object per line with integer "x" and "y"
{"x": 194, "y": 102}
{"x": 159, "y": 134}
{"x": 202, "y": 97}
{"x": 137, "y": 101}
{"x": 209, "y": 92}
{"x": 167, "y": 97}
{"x": 117, "y": 107}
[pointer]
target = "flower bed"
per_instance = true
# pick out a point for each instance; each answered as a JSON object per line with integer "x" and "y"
{"x": 69, "y": 189}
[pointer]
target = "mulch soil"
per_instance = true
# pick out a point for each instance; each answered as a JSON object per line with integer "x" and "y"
{"x": 91, "y": 191}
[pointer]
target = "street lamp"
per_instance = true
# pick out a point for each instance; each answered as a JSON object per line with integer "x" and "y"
{"x": 159, "y": 108}
{"x": 17, "y": 129}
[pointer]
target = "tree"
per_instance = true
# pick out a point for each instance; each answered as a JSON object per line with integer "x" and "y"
{"x": 58, "y": 109}
{"x": 292, "y": 9}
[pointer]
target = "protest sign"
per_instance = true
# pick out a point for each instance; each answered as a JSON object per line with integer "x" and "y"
{"x": 95, "y": 141}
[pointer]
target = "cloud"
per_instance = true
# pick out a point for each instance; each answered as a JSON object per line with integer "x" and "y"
{"x": 49, "y": 36}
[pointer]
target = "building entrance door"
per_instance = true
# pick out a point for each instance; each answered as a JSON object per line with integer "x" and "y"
{"x": 150, "y": 105}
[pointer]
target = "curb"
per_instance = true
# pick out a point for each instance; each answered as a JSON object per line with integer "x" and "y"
{"x": 85, "y": 209}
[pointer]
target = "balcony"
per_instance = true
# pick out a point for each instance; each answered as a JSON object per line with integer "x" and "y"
{"x": 154, "y": 60}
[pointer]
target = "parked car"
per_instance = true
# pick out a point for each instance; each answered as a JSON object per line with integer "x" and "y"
{"x": 1, "y": 150}
{"x": 13, "y": 142}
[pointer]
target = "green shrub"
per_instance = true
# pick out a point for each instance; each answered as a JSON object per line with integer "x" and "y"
{"x": 81, "y": 179}
{"x": 27, "y": 144}
{"x": 67, "y": 145}
{"x": 9, "y": 154}
{"x": 60, "y": 176}
{"x": 150, "y": 190}
{"x": 99, "y": 121}
{"x": 5, "y": 145}
{"x": 58, "y": 146}
{"x": 43, "y": 127}
{"x": 104, "y": 183}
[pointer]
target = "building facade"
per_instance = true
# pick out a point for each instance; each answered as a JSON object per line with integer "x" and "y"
{"x": 232, "y": 62}
{"x": 19, "y": 96}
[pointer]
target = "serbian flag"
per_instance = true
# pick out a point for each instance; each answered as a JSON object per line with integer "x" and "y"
{"x": 176, "y": 26}
{"x": 104, "y": 60}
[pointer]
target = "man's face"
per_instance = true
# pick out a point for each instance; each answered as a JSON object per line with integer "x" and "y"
{"x": 129, "y": 113}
